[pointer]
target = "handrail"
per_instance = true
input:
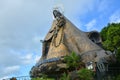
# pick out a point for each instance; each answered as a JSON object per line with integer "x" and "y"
{"x": 19, "y": 78}
{"x": 47, "y": 61}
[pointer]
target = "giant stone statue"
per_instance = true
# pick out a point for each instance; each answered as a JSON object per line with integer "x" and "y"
{"x": 63, "y": 38}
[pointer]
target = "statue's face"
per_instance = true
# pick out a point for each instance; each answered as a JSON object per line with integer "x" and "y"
{"x": 56, "y": 13}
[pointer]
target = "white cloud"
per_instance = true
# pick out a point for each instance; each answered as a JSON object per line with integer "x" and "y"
{"x": 37, "y": 39}
{"x": 37, "y": 58}
{"x": 27, "y": 59}
{"x": 5, "y": 77}
{"x": 9, "y": 61}
{"x": 91, "y": 25}
{"x": 15, "y": 58}
{"x": 9, "y": 70}
{"x": 115, "y": 17}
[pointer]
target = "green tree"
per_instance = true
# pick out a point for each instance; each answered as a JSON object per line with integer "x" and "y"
{"x": 111, "y": 41}
{"x": 85, "y": 74}
{"x": 73, "y": 60}
{"x": 44, "y": 77}
{"x": 65, "y": 77}
{"x": 118, "y": 54}
{"x": 104, "y": 33}
{"x": 111, "y": 37}
{"x": 118, "y": 77}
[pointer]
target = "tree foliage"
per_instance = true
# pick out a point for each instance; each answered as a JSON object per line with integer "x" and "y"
{"x": 85, "y": 74}
{"x": 118, "y": 77}
{"x": 118, "y": 54}
{"x": 72, "y": 60}
{"x": 111, "y": 37}
{"x": 65, "y": 77}
{"x": 42, "y": 79}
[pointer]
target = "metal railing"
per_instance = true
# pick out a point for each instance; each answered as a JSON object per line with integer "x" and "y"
{"x": 19, "y": 78}
{"x": 47, "y": 61}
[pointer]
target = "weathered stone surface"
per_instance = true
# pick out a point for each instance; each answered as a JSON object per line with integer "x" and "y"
{"x": 63, "y": 38}
{"x": 62, "y": 65}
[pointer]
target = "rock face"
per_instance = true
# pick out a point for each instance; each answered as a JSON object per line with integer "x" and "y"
{"x": 61, "y": 40}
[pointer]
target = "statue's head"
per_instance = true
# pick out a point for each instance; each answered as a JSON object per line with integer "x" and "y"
{"x": 56, "y": 13}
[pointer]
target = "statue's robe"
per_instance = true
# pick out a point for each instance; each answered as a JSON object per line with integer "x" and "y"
{"x": 70, "y": 39}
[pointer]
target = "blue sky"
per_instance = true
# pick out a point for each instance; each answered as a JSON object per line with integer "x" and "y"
{"x": 23, "y": 23}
